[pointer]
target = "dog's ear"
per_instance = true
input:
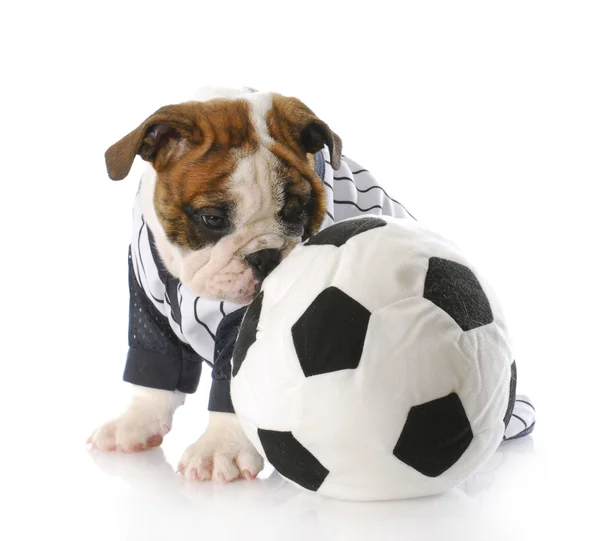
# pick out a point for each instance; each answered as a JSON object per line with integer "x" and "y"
{"x": 161, "y": 135}
{"x": 310, "y": 133}
{"x": 316, "y": 134}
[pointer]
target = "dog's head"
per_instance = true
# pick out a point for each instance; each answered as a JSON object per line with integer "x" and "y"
{"x": 234, "y": 188}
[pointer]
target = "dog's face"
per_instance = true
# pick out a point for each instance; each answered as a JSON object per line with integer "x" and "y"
{"x": 235, "y": 187}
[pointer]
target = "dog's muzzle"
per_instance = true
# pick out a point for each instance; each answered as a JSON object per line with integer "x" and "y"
{"x": 263, "y": 262}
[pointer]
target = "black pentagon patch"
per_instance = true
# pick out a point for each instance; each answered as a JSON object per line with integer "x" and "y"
{"x": 247, "y": 335}
{"x": 342, "y": 232}
{"x": 292, "y": 460}
{"x": 435, "y": 436}
{"x": 329, "y": 336}
{"x": 512, "y": 393}
{"x": 456, "y": 290}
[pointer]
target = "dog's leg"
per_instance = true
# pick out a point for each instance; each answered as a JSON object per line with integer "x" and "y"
{"x": 143, "y": 424}
{"x": 222, "y": 453}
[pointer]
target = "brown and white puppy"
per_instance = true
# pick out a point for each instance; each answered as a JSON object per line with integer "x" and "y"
{"x": 231, "y": 189}
{"x": 233, "y": 176}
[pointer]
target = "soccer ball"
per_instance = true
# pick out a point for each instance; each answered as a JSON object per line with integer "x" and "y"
{"x": 374, "y": 364}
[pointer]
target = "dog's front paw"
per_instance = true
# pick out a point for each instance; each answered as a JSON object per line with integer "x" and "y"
{"x": 147, "y": 419}
{"x": 222, "y": 453}
{"x": 132, "y": 431}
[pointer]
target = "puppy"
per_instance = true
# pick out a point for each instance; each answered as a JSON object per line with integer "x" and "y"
{"x": 235, "y": 179}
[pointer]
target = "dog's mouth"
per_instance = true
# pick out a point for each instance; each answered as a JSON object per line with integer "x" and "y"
{"x": 240, "y": 280}
{"x": 259, "y": 266}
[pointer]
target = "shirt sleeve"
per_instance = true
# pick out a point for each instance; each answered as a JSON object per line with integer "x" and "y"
{"x": 227, "y": 333}
{"x": 156, "y": 357}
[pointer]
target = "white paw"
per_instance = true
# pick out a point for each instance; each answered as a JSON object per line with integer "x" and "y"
{"x": 147, "y": 419}
{"x": 132, "y": 431}
{"x": 222, "y": 453}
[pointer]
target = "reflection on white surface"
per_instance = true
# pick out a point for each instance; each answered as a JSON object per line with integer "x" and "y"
{"x": 155, "y": 501}
{"x": 530, "y": 489}
{"x": 270, "y": 507}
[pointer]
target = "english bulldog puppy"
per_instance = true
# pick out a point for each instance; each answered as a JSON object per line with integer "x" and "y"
{"x": 235, "y": 179}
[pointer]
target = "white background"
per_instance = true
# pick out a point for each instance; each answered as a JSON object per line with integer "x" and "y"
{"x": 483, "y": 118}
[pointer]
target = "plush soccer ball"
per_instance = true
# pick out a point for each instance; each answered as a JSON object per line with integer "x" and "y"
{"x": 374, "y": 364}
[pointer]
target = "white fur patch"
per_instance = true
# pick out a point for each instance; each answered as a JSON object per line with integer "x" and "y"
{"x": 261, "y": 103}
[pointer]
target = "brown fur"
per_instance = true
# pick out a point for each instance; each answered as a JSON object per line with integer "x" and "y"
{"x": 285, "y": 121}
{"x": 197, "y": 179}
{"x": 190, "y": 148}
{"x": 193, "y": 165}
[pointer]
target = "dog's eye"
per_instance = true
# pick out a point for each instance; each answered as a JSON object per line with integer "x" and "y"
{"x": 214, "y": 222}
{"x": 293, "y": 210}
{"x": 213, "y": 218}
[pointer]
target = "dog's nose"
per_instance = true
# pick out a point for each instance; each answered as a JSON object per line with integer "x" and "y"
{"x": 263, "y": 262}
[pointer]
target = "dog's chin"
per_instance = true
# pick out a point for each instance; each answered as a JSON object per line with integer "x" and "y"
{"x": 237, "y": 286}
{"x": 242, "y": 299}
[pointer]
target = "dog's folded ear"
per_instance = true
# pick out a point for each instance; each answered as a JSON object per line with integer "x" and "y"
{"x": 315, "y": 135}
{"x": 293, "y": 119}
{"x": 161, "y": 135}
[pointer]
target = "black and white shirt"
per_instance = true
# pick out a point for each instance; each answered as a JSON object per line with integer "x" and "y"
{"x": 172, "y": 331}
